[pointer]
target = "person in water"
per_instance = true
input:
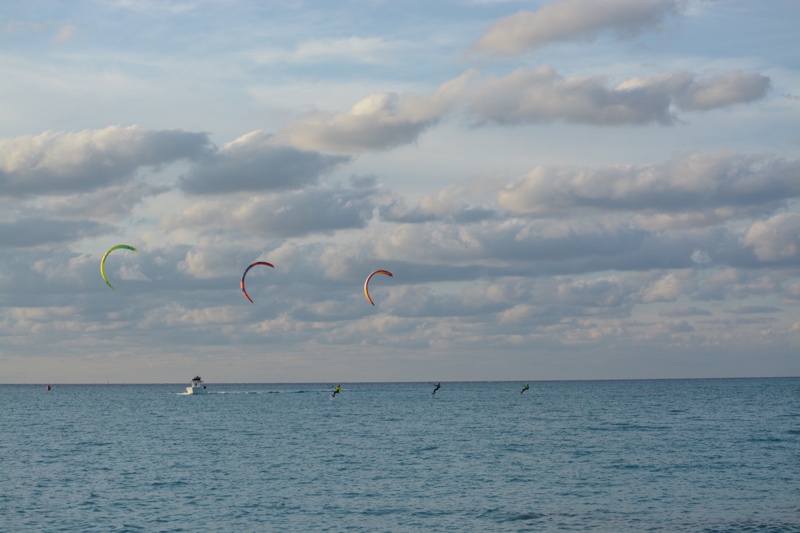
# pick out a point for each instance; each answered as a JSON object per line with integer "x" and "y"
{"x": 438, "y": 386}
{"x": 526, "y": 387}
{"x": 336, "y": 390}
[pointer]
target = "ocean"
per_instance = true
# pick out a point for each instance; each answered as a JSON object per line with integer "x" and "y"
{"x": 709, "y": 455}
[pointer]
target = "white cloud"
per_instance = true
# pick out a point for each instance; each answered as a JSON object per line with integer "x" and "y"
{"x": 573, "y": 20}
{"x": 377, "y": 122}
{"x": 724, "y": 90}
{"x": 254, "y": 162}
{"x": 692, "y": 183}
{"x": 33, "y": 232}
{"x": 668, "y": 288}
{"x": 542, "y": 95}
{"x": 368, "y": 50}
{"x": 293, "y": 213}
{"x": 680, "y": 312}
{"x": 775, "y": 239}
{"x": 70, "y": 162}
{"x": 451, "y": 203}
{"x": 701, "y": 257}
{"x": 754, "y": 309}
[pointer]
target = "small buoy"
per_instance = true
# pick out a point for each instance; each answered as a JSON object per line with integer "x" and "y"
{"x": 48, "y": 387}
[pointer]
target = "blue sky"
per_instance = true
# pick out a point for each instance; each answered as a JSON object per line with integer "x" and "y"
{"x": 568, "y": 189}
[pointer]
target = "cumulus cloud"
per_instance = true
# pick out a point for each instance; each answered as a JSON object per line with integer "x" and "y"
{"x": 687, "y": 192}
{"x": 573, "y": 20}
{"x": 253, "y": 162}
{"x": 450, "y": 203}
{"x": 291, "y": 214}
{"x": 512, "y": 246}
{"x": 383, "y": 121}
{"x": 24, "y": 233}
{"x": 72, "y": 162}
{"x": 754, "y": 309}
{"x": 738, "y": 283}
{"x": 542, "y": 95}
{"x": 213, "y": 257}
{"x": 691, "y": 182}
{"x": 701, "y": 257}
{"x": 378, "y": 122}
{"x": 568, "y": 220}
{"x": 109, "y": 204}
{"x": 682, "y": 312}
{"x": 668, "y": 288}
{"x": 724, "y": 90}
{"x": 775, "y": 239}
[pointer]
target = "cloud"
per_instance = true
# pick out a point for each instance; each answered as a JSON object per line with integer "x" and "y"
{"x": 370, "y": 50}
{"x": 65, "y": 33}
{"x": 253, "y": 162}
{"x": 290, "y": 214}
{"x": 450, "y": 203}
{"x": 739, "y": 283}
{"x": 25, "y": 233}
{"x": 383, "y": 121}
{"x": 378, "y": 122}
{"x": 542, "y": 95}
{"x": 156, "y": 8}
{"x": 775, "y": 239}
{"x": 214, "y": 257}
{"x": 573, "y": 20}
{"x": 694, "y": 182}
{"x": 675, "y": 214}
{"x": 66, "y": 218}
{"x": 668, "y": 288}
{"x": 754, "y": 309}
{"x": 109, "y": 204}
{"x": 682, "y": 312}
{"x": 73, "y": 162}
{"x": 724, "y": 90}
{"x": 701, "y": 257}
{"x": 516, "y": 246}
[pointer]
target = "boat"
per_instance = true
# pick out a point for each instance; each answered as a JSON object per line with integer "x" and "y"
{"x": 197, "y": 386}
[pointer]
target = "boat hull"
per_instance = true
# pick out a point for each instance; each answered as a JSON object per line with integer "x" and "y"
{"x": 196, "y": 390}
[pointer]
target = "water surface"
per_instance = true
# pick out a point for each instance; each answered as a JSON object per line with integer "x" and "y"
{"x": 666, "y": 455}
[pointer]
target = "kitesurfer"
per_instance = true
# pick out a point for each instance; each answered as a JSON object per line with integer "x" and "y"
{"x": 438, "y": 386}
{"x": 336, "y": 390}
{"x": 526, "y": 387}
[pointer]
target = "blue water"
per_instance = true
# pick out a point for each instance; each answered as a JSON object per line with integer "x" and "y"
{"x": 671, "y": 455}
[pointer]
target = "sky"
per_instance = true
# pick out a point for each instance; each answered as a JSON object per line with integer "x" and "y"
{"x": 562, "y": 189}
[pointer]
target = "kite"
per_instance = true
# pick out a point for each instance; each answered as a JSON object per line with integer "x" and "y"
{"x": 103, "y": 261}
{"x": 245, "y": 273}
{"x": 366, "y": 283}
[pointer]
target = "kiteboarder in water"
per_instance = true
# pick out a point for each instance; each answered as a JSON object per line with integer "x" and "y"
{"x": 438, "y": 386}
{"x": 526, "y": 387}
{"x": 336, "y": 390}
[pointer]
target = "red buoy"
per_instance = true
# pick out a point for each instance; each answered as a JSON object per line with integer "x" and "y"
{"x": 48, "y": 387}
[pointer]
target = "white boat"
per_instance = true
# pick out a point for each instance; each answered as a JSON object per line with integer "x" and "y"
{"x": 197, "y": 386}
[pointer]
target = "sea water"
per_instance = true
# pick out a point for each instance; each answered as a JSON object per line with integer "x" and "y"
{"x": 667, "y": 455}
